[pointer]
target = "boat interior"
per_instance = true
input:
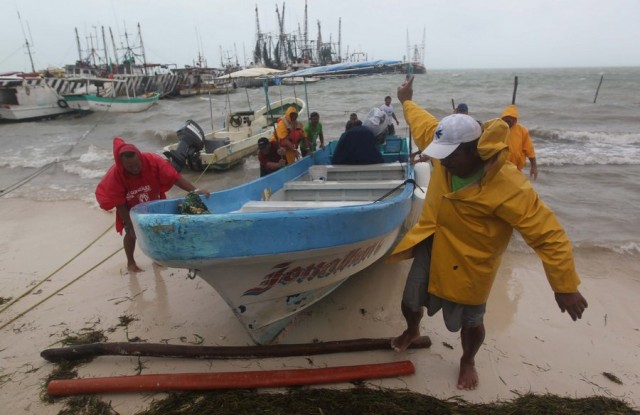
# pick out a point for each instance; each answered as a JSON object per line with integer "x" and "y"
{"x": 329, "y": 185}
{"x": 243, "y": 124}
{"x": 311, "y": 183}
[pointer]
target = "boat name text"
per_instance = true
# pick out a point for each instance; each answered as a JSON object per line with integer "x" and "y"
{"x": 283, "y": 275}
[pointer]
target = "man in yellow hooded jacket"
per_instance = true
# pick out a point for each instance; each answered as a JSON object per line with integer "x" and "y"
{"x": 520, "y": 145}
{"x": 289, "y": 133}
{"x": 474, "y": 201}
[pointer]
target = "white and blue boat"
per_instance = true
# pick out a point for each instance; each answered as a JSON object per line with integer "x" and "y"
{"x": 276, "y": 245}
{"x": 104, "y": 94}
{"x": 347, "y": 69}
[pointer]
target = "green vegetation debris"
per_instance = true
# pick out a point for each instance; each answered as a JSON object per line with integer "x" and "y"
{"x": 364, "y": 401}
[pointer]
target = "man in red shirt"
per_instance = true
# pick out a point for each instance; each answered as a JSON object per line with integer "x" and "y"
{"x": 136, "y": 177}
{"x": 271, "y": 156}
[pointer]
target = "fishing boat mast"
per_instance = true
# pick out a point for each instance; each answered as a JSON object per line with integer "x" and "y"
{"x": 106, "y": 51}
{"x": 339, "y": 39}
{"x": 78, "y": 44}
{"x": 144, "y": 56}
{"x": 26, "y": 40}
{"x": 113, "y": 42}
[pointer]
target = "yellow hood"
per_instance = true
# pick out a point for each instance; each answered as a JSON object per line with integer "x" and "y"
{"x": 290, "y": 110}
{"x": 511, "y": 111}
{"x": 284, "y": 124}
{"x": 493, "y": 139}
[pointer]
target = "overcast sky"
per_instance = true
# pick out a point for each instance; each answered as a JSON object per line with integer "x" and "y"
{"x": 459, "y": 34}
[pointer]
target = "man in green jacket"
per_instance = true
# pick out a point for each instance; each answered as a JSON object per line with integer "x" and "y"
{"x": 474, "y": 202}
{"x": 313, "y": 130}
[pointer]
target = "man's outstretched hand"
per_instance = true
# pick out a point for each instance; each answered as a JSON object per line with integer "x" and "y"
{"x": 572, "y": 303}
{"x": 405, "y": 91}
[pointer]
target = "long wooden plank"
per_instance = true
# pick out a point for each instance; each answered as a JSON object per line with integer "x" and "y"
{"x": 346, "y": 185}
{"x": 273, "y": 205}
{"x": 222, "y": 352}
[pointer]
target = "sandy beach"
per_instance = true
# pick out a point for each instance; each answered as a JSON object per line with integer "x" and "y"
{"x": 530, "y": 346}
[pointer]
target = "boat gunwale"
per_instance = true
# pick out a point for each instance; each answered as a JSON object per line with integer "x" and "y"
{"x": 247, "y": 230}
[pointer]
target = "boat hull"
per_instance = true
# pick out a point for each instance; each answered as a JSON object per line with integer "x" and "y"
{"x": 271, "y": 256}
{"x": 280, "y": 286}
{"x": 24, "y": 99}
{"x": 90, "y": 102}
{"x": 23, "y": 113}
{"x": 227, "y": 156}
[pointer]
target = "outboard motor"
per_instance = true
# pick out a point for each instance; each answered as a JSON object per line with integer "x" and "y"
{"x": 190, "y": 144}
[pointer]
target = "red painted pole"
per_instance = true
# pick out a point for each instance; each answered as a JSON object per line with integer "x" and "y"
{"x": 229, "y": 380}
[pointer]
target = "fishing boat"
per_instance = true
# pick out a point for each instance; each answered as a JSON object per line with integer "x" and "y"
{"x": 298, "y": 80}
{"x": 276, "y": 245}
{"x": 347, "y": 69}
{"x": 224, "y": 148}
{"x": 28, "y": 97}
{"x": 106, "y": 94}
{"x": 206, "y": 87}
{"x": 202, "y": 81}
{"x": 250, "y": 77}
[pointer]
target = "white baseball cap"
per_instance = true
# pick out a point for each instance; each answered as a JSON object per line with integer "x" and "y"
{"x": 452, "y": 131}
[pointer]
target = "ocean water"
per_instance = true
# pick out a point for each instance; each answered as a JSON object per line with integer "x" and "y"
{"x": 588, "y": 153}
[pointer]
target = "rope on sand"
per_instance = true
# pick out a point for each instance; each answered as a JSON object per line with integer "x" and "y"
{"x": 27, "y": 179}
{"x": 60, "y": 289}
{"x": 54, "y": 272}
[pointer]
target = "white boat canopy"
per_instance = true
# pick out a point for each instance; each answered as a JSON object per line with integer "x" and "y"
{"x": 251, "y": 73}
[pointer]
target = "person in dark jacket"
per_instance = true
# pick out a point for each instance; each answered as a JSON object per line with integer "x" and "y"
{"x": 271, "y": 156}
{"x": 357, "y": 145}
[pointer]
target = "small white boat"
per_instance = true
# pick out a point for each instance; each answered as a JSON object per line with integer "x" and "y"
{"x": 345, "y": 69}
{"x": 104, "y": 94}
{"x": 203, "y": 81}
{"x": 24, "y": 97}
{"x": 275, "y": 246}
{"x": 250, "y": 77}
{"x": 298, "y": 80}
{"x": 223, "y": 149}
{"x": 206, "y": 88}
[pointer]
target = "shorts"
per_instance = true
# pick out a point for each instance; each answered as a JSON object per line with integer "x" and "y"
{"x": 416, "y": 295}
{"x": 391, "y": 129}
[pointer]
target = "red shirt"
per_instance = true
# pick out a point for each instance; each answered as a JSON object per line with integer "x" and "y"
{"x": 118, "y": 187}
{"x": 272, "y": 156}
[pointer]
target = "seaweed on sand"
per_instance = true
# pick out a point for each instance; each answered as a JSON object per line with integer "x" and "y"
{"x": 365, "y": 401}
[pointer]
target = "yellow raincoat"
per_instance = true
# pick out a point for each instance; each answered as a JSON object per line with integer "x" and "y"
{"x": 285, "y": 128}
{"x": 520, "y": 145}
{"x": 472, "y": 226}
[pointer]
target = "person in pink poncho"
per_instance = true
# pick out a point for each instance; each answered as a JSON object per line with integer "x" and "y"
{"x": 136, "y": 177}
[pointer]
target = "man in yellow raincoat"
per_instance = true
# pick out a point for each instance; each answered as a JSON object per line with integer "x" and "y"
{"x": 289, "y": 132}
{"x": 520, "y": 145}
{"x": 474, "y": 201}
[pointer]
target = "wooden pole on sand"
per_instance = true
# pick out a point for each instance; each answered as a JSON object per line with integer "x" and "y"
{"x": 85, "y": 351}
{"x": 598, "y": 90}
{"x": 515, "y": 89}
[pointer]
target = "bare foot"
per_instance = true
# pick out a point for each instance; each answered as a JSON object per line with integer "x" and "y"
{"x": 402, "y": 342}
{"x": 133, "y": 267}
{"x": 468, "y": 378}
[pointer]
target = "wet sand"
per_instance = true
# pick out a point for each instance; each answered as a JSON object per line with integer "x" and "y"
{"x": 530, "y": 346}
